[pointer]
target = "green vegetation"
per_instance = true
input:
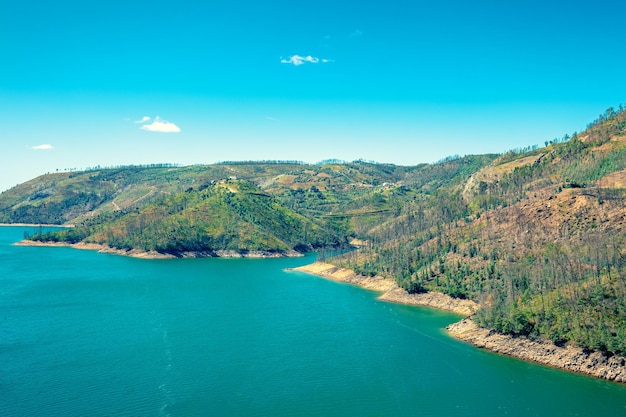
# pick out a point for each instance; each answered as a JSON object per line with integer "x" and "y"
{"x": 229, "y": 215}
{"x": 536, "y": 236}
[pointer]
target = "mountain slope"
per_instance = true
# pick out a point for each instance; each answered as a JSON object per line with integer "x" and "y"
{"x": 536, "y": 237}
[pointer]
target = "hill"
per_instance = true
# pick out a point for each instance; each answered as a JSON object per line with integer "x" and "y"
{"x": 537, "y": 238}
{"x": 230, "y": 215}
{"x": 247, "y": 206}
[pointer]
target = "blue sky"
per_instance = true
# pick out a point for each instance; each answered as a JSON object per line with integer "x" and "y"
{"x": 134, "y": 82}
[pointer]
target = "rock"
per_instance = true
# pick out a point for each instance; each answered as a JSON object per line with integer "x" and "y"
{"x": 570, "y": 358}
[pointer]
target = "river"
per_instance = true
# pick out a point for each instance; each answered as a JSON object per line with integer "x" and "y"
{"x": 85, "y": 333}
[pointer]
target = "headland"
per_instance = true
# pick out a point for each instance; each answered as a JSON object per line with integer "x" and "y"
{"x": 569, "y": 358}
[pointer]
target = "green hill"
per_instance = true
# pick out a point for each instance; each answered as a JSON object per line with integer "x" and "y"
{"x": 230, "y": 215}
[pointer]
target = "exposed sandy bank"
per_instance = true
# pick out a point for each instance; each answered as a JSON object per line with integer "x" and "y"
{"x": 390, "y": 290}
{"x": 258, "y": 254}
{"x": 35, "y": 225}
{"x": 569, "y": 358}
{"x": 137, "y": 253}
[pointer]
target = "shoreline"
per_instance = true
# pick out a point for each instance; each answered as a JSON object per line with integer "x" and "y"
{"x": 391, "y": 292}
{"x": 568, "y": 358}
{"x": 142, "y": 254}
{"x": 34, "y": 225}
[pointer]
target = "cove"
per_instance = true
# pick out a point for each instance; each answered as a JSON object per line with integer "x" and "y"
{"x": 84, "y": 333}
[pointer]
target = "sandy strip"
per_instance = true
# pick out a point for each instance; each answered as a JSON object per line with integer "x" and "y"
{"x": 34, "y": 225}
{"x": 138, "y": 253}
{"x": 390, "y": 290}
{"x": 134, "y": 253}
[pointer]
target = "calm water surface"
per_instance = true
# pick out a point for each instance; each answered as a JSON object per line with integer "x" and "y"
{"x": 83, "y": 333}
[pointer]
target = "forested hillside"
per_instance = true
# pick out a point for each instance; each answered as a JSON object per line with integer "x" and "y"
{"x": 232, "y": 215}
{"x": 536, "y": 236}
{"x": 269, "y": 206}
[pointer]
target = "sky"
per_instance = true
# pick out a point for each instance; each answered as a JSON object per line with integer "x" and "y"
{"x": 86, "y": 84}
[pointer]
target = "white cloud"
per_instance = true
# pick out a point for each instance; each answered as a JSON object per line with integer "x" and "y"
{"x": 357, "y": 33}
{"x": 159, "y": 125}
{"x": 144, "y": 119}
{"x": 299, "y": 60}
{"x": 43, "y": 147}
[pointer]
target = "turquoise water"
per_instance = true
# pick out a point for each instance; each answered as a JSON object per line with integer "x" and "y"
{"x": 83, "y": 333}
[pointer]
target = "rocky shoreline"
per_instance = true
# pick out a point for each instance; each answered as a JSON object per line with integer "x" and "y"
{"x": 568, "y": 358}
{"x": 138, "y": 253}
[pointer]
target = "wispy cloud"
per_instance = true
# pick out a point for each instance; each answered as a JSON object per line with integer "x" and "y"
{"x": 159, "y": 125}
{"x": 43, "y": 147}
{"x": 144, "y": 119}
{"x": 299, "y": 60}
{"x": 272, "y": 118}
{"x": 326, "y": 40}
{"x": 357, "y": 33}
